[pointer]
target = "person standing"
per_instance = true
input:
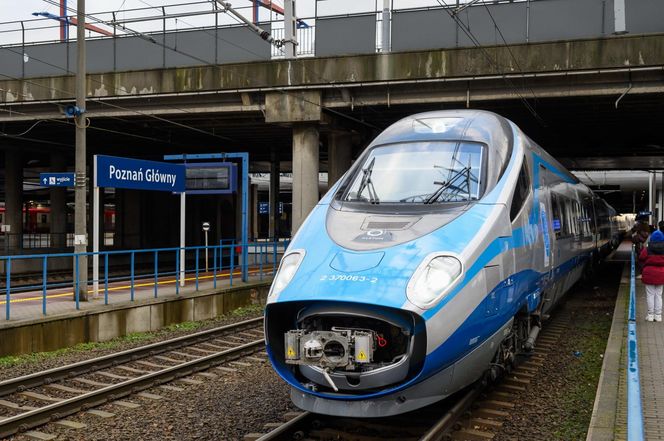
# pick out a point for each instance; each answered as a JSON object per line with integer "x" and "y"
{"x": 651, "y": 259}
{"x": 640, "y": 232}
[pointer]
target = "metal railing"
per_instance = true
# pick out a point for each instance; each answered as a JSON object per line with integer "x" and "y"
{"x": 12, "y": 243}
{"x": 126, "y": 271}
{"x": 634, "y": 411}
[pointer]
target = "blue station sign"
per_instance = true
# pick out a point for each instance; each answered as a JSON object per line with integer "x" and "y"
{"x": 137, "y": 174}
{"x": 56, "y": 179}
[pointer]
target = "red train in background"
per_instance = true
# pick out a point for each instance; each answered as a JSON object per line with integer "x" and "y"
{"x": 37, "y": 218}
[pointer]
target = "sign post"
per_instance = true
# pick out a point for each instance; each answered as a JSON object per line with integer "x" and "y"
{"x": 136, "y": 174}
{"x": 206, "y": 228}
{"x": 225, "y": 185}
{"x": 183, "y": 209}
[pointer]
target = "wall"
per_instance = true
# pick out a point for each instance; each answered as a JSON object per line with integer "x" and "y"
{"x": 108, "y": 322}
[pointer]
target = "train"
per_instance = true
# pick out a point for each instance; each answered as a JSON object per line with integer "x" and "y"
{"x": 430, "y": 265}
{"x": 37, "y": 218}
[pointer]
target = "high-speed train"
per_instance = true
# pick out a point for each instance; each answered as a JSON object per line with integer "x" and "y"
{"x": 431, "y": 263}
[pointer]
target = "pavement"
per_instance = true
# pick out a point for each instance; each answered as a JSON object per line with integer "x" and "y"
{"x": 609, "y": 420}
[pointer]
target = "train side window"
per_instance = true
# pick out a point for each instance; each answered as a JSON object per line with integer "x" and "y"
{"x": 521, "y": 191}
{"x": 556, "y": 213}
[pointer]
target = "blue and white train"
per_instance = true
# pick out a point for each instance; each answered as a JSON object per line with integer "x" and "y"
{"x": 431, "y": 263}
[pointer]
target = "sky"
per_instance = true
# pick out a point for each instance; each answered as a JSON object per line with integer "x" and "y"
{"x": 11, "y": 12}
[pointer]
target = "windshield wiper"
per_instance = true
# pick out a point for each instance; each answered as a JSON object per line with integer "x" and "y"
{"x": 460, "y": 179}
{"x": 368, "y": 183}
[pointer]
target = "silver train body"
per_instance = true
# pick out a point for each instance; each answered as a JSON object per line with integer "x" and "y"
{"x": 431, "y": 263}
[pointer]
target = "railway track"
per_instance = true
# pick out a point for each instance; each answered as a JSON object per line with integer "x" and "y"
{"x": 477, "y": 414}
{"x": 38, "y": 398}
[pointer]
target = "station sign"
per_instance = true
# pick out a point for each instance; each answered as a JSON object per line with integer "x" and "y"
{"x": 264, "y": 208}
{"x": 137, "y": 174}
{"x": 57, "y": 179}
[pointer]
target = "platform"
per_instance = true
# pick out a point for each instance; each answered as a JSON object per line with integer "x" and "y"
{"x": 609, "y": 420}
{"x": 26, "y": 306}
{"x": 65, "y": 325}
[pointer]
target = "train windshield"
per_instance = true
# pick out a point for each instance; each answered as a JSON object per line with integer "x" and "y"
{"x": 419, "y": 173}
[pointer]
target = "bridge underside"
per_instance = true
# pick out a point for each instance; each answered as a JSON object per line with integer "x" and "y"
{"x": 593, "y": 104}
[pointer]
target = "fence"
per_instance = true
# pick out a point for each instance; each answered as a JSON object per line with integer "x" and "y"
{"x": 634, "y": 411}
{"x": 161, "y": 41}
{"x": 140, "y": 269}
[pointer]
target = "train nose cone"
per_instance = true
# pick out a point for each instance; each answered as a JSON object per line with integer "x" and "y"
{"x": 353, "y": 262}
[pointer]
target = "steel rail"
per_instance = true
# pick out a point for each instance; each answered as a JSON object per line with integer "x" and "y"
{"x": 60, "y": 409}
{"x": 443, "y": 425}
{"x": 288, "y": 428}
{"x": 63, "y": 372}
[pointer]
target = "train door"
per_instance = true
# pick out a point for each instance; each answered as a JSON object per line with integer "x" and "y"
{"x": 547, "y": 225}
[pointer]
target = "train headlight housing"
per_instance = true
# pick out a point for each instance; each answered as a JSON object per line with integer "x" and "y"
{"x": 434, "y": 278}
{"x": 287, "y": 269}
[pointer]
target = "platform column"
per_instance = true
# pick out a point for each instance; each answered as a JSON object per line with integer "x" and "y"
{"x": 58, "y": 197}
{"x": 305, "y": 172}
{"x": 13, "y": 200}
{"x": 338, "y": 156}
{"x": 273, "y": 229}
{"x": 253, "y": 211}
{"x": 652, "y": 190}
{"x": 302, "y": 110}
{"x": 660, "y": 217}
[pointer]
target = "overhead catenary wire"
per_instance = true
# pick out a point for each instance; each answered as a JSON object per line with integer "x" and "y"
{"x": 138, "y": 112}
{"x": 509, "y": 49}
{"x": 466, "y": 30}
{"x": 149, "y": 38}
{"x": 59, "y": 121}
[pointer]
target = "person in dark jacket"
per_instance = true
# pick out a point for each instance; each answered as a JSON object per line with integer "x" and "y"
{"x": 652, "y": 262}
{"x": 640, "y": 232}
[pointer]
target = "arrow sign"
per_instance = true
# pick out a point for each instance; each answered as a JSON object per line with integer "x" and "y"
{"x": 56, "y": 179}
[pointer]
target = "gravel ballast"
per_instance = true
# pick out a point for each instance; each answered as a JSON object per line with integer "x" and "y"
{"x": 221, "y": 408}
{"x": 559, "y": 404}
{"x": 12, "y": 367}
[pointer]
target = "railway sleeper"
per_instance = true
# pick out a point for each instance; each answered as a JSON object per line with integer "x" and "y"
{"x": 495, "y": 404}
{"x": 489, "y": 413}
{"x": 478, "y": 423}
{"x": 515, "y": 381}
{"x": 510, "y": 388}
{"x": 471, "y": 435}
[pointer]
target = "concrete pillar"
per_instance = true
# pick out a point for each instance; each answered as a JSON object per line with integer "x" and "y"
{"x": 305, "y": 172}
{"x": 58, "y": 198}
{"x": 130, "y": 234}
{"x": 14, "y": 200}
{"x": 661, "y": 200}
{"x": 339, "y": 149}
{"x": 273, "y": 228}
{"x": 652, "y": 189}
{"x": 253, "y": 211}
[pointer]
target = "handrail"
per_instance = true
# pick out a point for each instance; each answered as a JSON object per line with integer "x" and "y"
{"x": 146, "y": 267}
{"x": 634, "y": 411}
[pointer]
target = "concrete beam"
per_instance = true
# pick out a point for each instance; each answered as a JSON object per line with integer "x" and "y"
{"x": 613, "y": 163}
{"x": 290, "y": 107}
{"x": 305, "y": 172}
{"x": 338, "y": 72}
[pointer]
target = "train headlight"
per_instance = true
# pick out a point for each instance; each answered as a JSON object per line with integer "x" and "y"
{"x": 433, "y": 279}
{"x": 287, "y": 269}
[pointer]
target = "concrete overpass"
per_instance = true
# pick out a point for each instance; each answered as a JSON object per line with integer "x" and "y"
{"x": 582, "y": 99}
